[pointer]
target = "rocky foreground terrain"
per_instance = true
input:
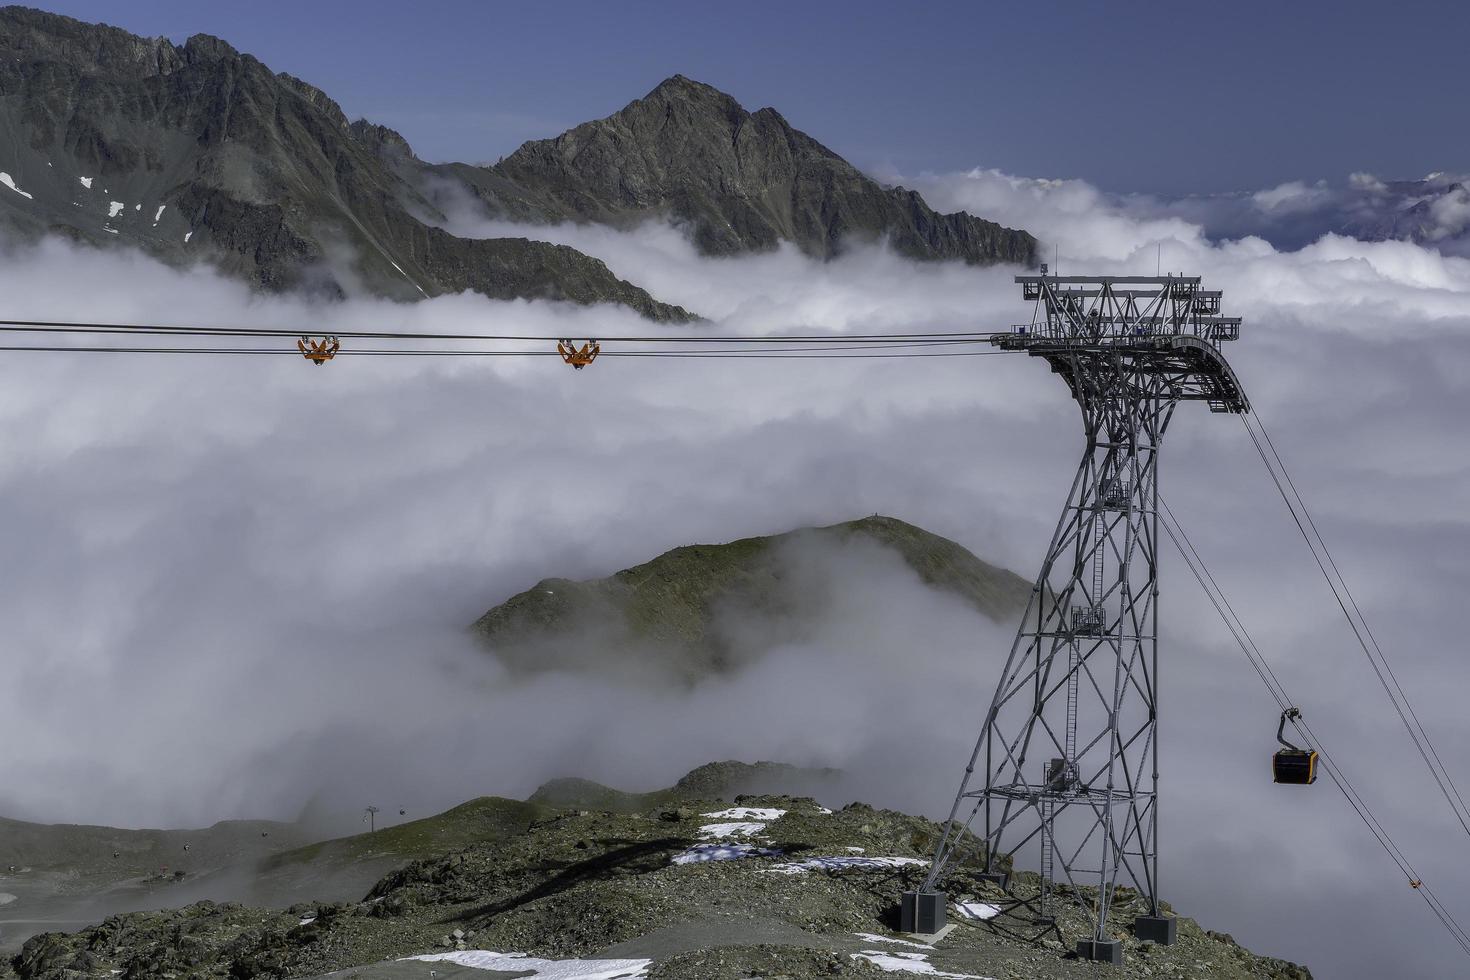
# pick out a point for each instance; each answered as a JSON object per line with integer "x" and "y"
{"x": 583, "y": 882}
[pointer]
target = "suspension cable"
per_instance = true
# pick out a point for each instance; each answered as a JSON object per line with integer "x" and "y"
{"x": 87, "y": 327}
{"x": 1345, "y": 602}
{"x": 1278, "y": 692}
{"x": 794, "y": 354}
{"x": 1383, "y": 657}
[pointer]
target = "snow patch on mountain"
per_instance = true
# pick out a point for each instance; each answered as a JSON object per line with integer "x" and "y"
{"x": 8, "y": 182}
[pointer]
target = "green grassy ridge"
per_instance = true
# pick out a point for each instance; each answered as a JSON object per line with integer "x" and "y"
{"x": 712, "y": 781}
{"x": 665, "y": 611}
{"x": 63, "y": 846}
{"x": 489, "y": 818}
{"x": 480, "y": 819}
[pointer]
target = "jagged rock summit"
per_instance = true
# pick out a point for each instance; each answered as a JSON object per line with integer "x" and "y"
{"x": 707, "y": 609}
{"x": 200, "y": 153}
{"x": 743, "y": 180}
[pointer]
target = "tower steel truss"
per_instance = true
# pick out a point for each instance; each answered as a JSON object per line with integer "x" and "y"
{"x": 1067, "y": 760}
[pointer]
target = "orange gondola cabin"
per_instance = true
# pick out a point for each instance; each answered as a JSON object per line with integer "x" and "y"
{"x": 1291, "y": 764}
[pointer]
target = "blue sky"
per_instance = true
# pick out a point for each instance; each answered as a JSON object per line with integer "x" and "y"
{"x": 1171, "y": 98}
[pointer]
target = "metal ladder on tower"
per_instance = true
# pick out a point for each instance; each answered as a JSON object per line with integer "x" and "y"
{"x": 1069, "y": 776}
{"x": 1048, "y": 861}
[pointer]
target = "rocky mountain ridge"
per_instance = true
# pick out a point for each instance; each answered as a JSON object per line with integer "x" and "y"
{"x": 744, "y": 181}
{"x": 200, "y": 153}
{"x": 1434, "y": 210}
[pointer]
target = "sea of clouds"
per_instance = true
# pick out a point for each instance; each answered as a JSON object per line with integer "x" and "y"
{"x": 238, "y": 586}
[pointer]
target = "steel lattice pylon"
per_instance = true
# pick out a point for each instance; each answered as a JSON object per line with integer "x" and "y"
{"x": 1067, "y": 759}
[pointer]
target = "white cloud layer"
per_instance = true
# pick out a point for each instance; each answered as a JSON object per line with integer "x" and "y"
{"x": 234, "y": 585}
{"x": 1430, "y": 210}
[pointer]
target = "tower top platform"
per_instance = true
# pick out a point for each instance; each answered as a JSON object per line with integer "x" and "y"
{"x": 1164, "y": 331}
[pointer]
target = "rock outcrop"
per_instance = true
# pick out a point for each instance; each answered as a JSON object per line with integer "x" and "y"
{"x": 198, "y": 152}
{"x": 744, "y": 181}
{"x": 201, "y": 152}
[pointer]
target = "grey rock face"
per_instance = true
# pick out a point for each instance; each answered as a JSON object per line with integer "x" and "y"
{"x": 200, "y": 152}
{"x": 744, "y": 180}
{"x": 1419, "y": 211}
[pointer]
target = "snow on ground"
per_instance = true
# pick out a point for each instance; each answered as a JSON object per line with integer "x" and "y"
{"x": 842, "y": 863}
{"x": 700, "y": 853}
{"x": 421, "y": 289}
{"x": 110, "y": 231}
{"x": 869, "y": 937}
{"x": 115, "y": 208}
{"x": 307, "y": 921}
{"x": 188, "y": 235}
{"x": 539, "y": 969}
{"x": 977, "y": 910}
{"x": 765, "y": 813}
{"x": 909, "y": 963}
{"x": 5, "y": 179}
{"x": 854, "y": 850}
{"x": 86, "y": 182}
{"x": 137, "y": 207}
{"x": 158, "y": 214}
{"x": 6, "y": 898}
{"x": 741, "y": 821}
{"x": 715, "y": 831}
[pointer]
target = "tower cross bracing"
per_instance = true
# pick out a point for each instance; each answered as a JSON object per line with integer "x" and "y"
{"x": 1066, "y": 763}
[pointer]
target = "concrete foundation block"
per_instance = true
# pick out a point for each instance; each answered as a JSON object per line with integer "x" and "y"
{"x": 1101, "y": 951}
{"x": 1156, "y": 929}
{"x": 922, "y": 912}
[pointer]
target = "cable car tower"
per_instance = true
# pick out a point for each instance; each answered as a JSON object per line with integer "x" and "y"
{"x": 1067, "y": 759}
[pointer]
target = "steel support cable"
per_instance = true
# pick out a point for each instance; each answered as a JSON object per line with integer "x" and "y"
{"x": 794, "y": 354}
{"x": 1279, "y": 694}
{"x": 1383, "y": 657}
{"x": 1268, "y": 676}
{"x": 56, "y": 326}
{"x": 1355, "y": 799}
{"x": 1420, "y": 738}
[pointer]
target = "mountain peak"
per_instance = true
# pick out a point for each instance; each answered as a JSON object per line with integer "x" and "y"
{"x": 684, "y": 86}
{"x": 213, "y": 156}
{"x": 203, "y": 47}
{"x": 676, "y": 82}
{"x": 743, "y": 181}
{"x": 198, "y": 152}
